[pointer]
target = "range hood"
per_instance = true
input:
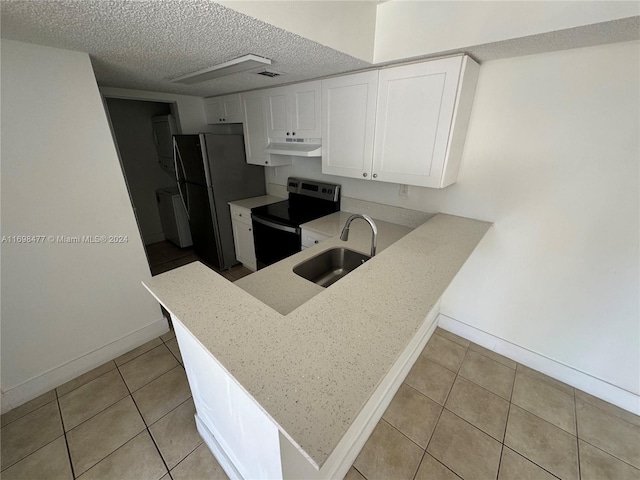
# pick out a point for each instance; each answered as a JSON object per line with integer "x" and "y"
{"x": 297, "y": 147}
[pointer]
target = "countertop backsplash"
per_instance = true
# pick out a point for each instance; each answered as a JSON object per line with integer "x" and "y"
{"x": 387, "y": 213}
{"x": 379, "y": 211}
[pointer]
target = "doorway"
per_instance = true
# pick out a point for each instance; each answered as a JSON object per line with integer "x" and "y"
{"x": 133, "y": 132}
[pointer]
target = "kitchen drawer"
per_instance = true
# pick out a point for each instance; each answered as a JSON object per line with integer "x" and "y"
{"x": 240, "y": 214}
{"x": 310, "y": 238}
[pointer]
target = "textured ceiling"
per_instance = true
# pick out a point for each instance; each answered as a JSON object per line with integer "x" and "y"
{"x": 143, "y": 44}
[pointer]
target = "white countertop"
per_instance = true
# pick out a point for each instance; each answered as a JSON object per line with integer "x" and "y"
{"x": 284, "y": 291}
{"x": 313, "y": 369}
{"x": 256, "y": 201}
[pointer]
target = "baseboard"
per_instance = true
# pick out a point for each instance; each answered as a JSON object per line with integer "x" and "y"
{"x": 217, "y": 450}
{"x": 16, "y": 396}
{"x": 154, "y": 238}
{"x": 564, "y": 373}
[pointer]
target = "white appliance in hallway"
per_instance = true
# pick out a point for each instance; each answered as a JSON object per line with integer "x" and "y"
{"x": 164, "y": 127}
{"x": 173, "y": 216}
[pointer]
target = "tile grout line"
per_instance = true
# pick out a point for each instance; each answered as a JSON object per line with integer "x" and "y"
{"x": 185, "y": 457}
{"x": 607, "y": 412}
{"x": 443, "y": 408}
{"x": 545, "y": 382}
{"x": 64, "y": 432}
{"x": 145, "y": 424}
{"x": 39, "y": 448}
{"x": 608, "y": 453}
{"x": 95, "y": 414}
{"x": 400, "y": 432}
{"x": 504, "y": 433}
{"x": 354, "y": 467}
{"x": 531, "y": 461}
{"x": 575, "y": 419}
{"x": 424, "y": 453}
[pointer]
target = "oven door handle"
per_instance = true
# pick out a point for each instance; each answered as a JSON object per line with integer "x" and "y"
{"x": 284, "y": 228}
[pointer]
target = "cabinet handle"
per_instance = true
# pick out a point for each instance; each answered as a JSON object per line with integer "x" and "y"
{"x": 267, "y": 162}
{"x": 375, "y": 175}
{"x": 287, "y": 133}
{"x": 315, "y": 241}
{"x": 364, "y": 175}
{"x": 219, "y": 119}
{"x": 224, "y": 119}
{"x": 239, "y": 214}
{"x": 293, "y": 133}
{"x": 249, "y": 229}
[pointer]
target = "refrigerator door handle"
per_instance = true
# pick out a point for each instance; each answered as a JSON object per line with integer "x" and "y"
{"x": 176, "y": 157}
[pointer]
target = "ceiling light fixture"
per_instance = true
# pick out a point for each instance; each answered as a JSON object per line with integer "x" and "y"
{"x": 240, "y": 64}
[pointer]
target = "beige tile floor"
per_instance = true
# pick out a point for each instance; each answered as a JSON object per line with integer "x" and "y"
{"x": 131, "y": 418}
{"x": 466, "y": 412}
{"x": 462, "y": 412}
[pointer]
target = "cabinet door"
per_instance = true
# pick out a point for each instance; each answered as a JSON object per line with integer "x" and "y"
{"x": 255, "y": 127}
{"x": 225, "y": 109}
{"x": 232, "y": 108}
{"x": 278, "y": 125}
{"x": 305, "y": 109}
{"x": 311, "y": 238}
{"x": 214, "y": 110}
{"x": 243, "y": 242}
{"x": 294, "y": 111}
{"x": 348, "y": 122}
{"x": 414, "y": 115}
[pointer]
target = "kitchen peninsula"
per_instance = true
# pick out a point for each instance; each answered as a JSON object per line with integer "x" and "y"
{"x": 296, "y": 395}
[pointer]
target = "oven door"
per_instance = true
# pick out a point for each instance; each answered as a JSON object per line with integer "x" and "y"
{"x": 274, "y": 241}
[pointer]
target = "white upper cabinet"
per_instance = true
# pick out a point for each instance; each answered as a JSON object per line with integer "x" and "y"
{"x": 256, "y": 141}
{"x": 294, "y": 111}
{"x": 422, "y": 115}
{"x": 225, "y": 109}
{"x": 348, "y": 122}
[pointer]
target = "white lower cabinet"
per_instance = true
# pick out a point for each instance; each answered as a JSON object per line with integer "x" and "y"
{"x": 243, "y": 236}
{"x": 244, "y": 440}
{"x": 311, "y": 238}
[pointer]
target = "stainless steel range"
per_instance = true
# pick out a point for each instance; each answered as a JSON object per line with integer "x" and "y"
{"x": 276, "y": 227}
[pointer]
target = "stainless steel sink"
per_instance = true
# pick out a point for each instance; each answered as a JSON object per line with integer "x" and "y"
{"x": 330, "y": 266}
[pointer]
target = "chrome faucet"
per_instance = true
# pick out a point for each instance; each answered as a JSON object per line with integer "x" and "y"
{"x": 344, "y": 236}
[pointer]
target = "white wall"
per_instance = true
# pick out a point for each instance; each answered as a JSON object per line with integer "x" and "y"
{"x": 552, "y": 157}
{"x": 406, "y": 29}
{"x": 348, "y": 27}
{"x": 190, "y": 115}
{"x": 66, "y": 308}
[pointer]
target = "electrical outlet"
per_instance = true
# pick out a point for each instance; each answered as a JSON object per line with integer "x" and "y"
{"x": 404, "y": 190}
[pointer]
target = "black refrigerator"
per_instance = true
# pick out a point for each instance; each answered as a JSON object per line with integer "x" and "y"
{"x": 212, "y": 170}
